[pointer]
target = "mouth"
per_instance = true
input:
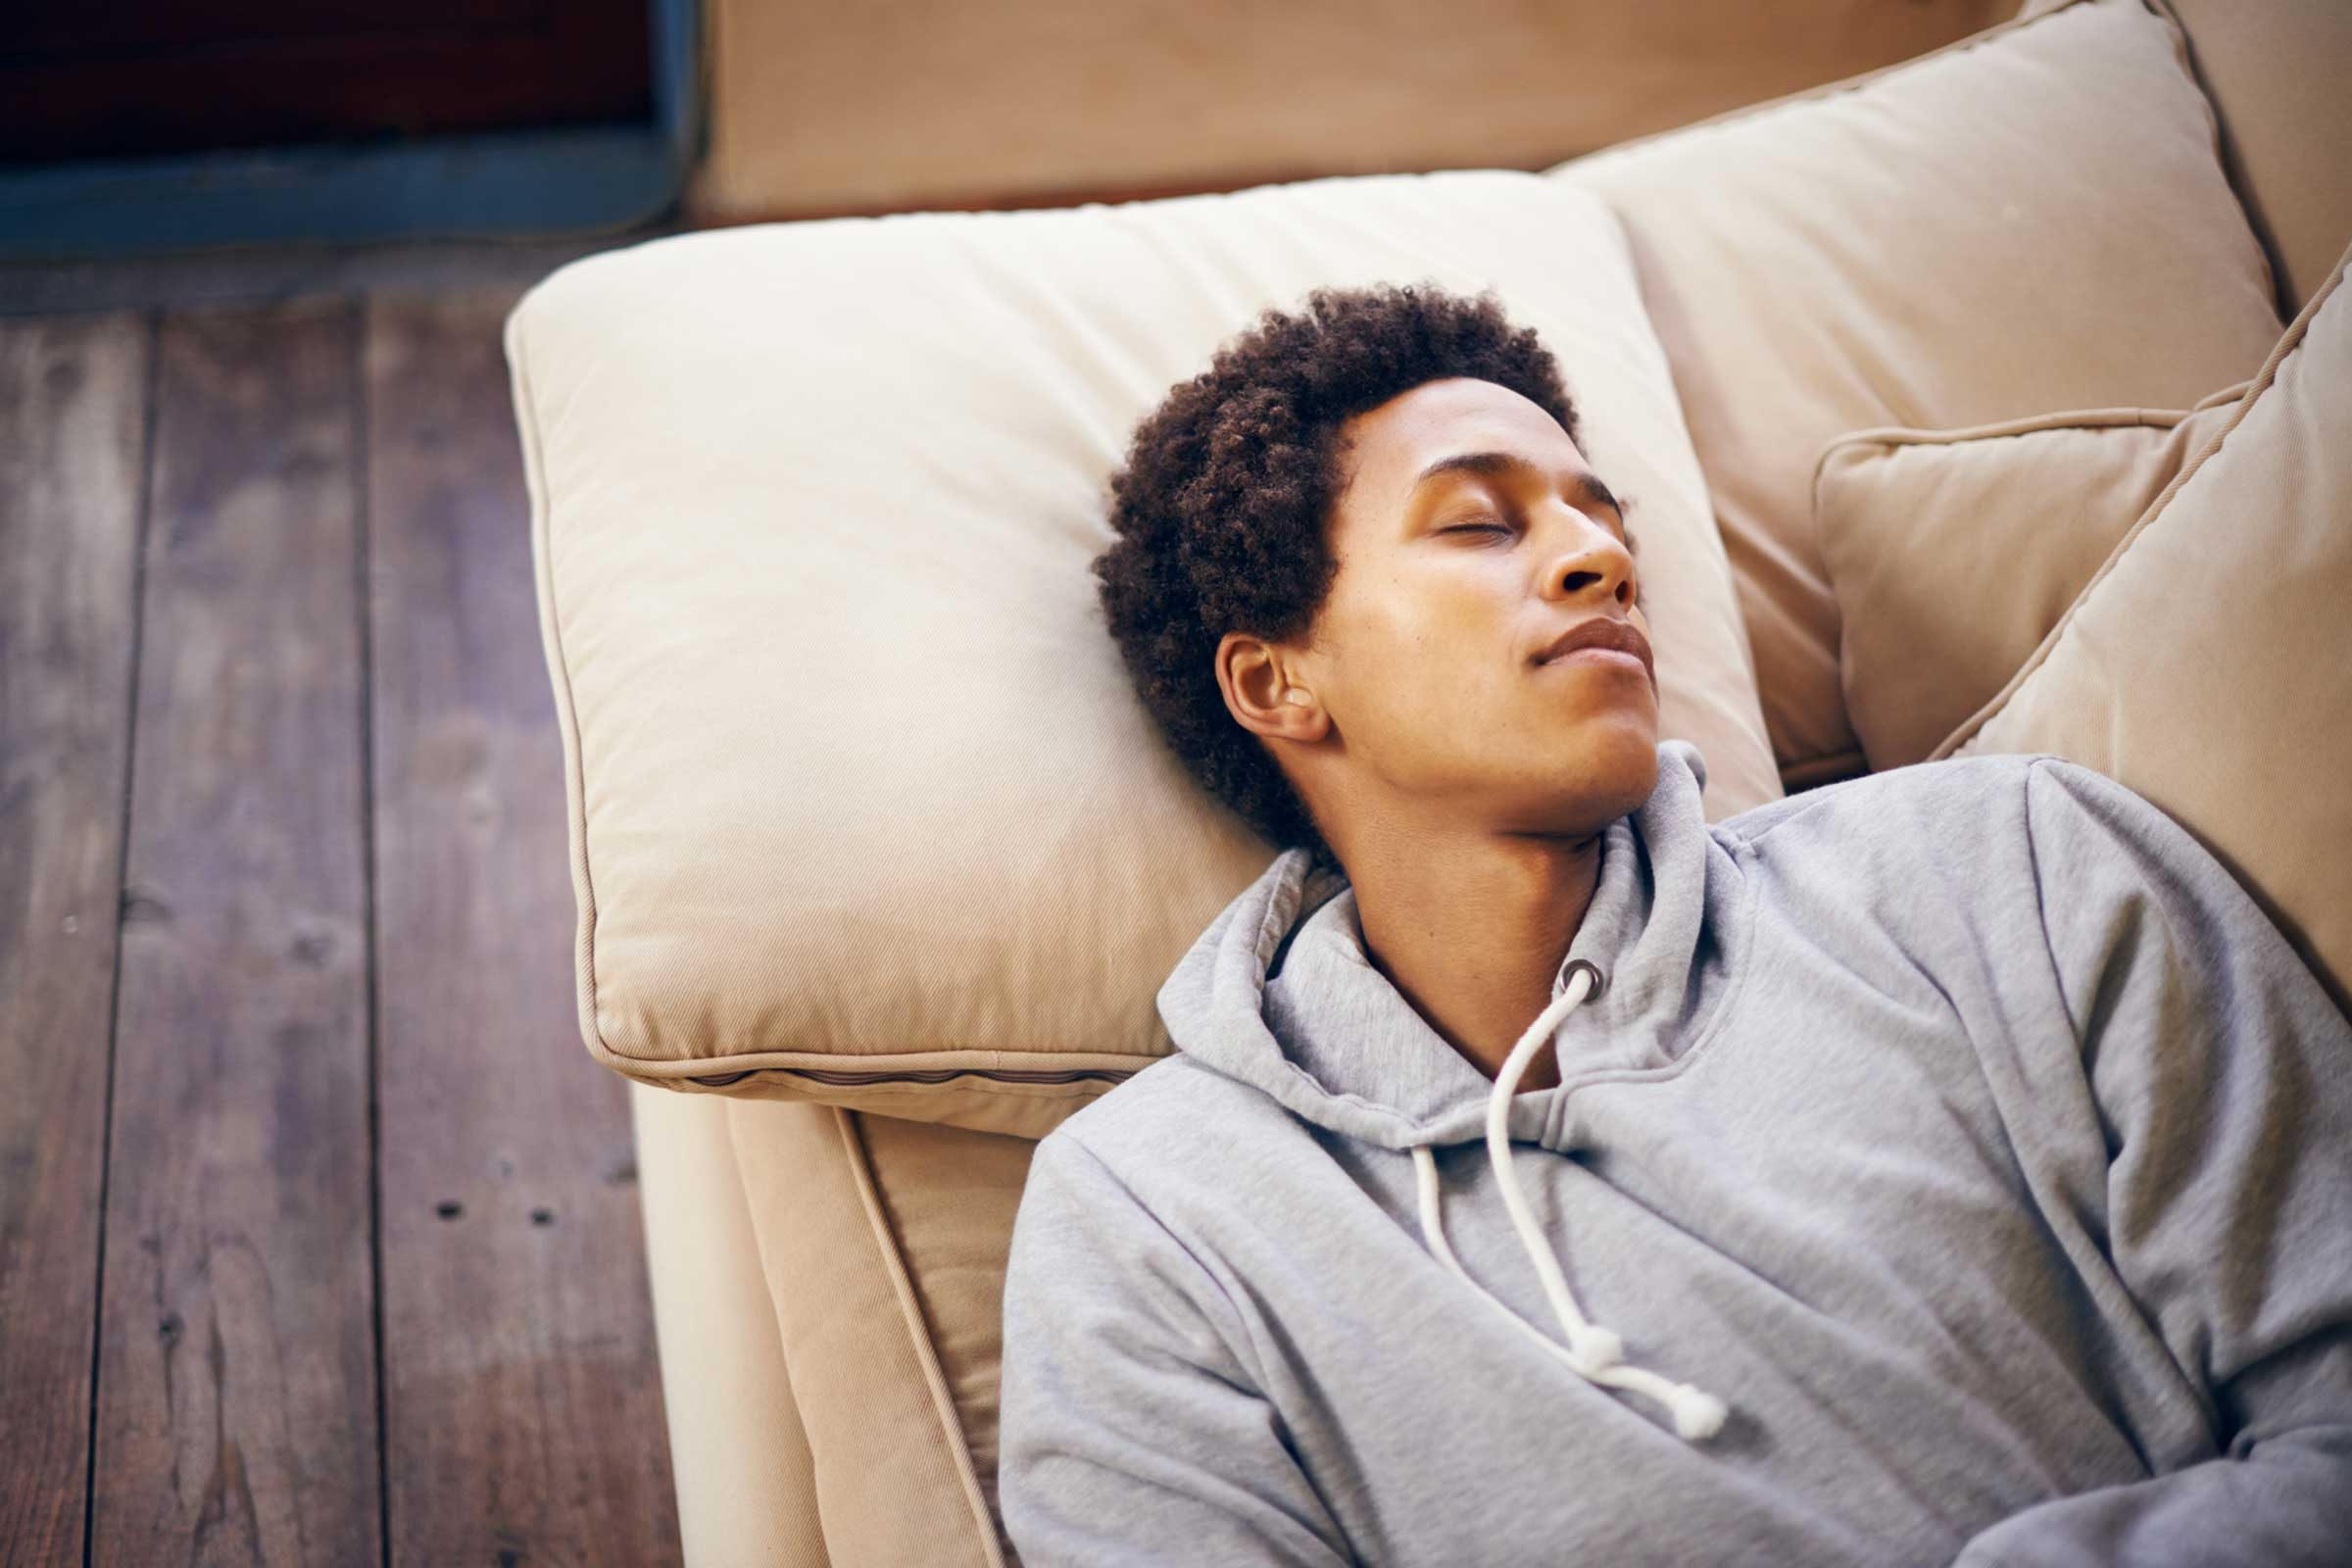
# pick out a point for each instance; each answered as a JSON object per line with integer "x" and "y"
{"x": 1602, "y": 639}
{"x": 1601, "y": 656}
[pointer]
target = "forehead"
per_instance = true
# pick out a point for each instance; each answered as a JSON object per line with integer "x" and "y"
{"x": 1393, "y": 443}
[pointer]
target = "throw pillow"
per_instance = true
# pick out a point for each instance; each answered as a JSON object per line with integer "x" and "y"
{"x": 1953, "y": 553}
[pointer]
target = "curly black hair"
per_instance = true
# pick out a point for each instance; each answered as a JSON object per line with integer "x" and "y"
{"x": 1222, "y": 505}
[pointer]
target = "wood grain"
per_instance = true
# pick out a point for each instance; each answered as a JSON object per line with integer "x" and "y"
{"x": 72, "y": 453}
{"x": 524, "y": 1418}
{"x": 236, "y": 1406}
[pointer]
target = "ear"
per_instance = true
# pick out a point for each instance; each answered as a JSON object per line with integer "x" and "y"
{"x": 1264, "y": 690}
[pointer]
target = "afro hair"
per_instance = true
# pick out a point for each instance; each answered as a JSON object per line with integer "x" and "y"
{"x": 1222, "y": 507}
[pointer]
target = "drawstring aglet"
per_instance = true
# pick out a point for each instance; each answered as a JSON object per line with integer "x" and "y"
{"x": 1697, "y": 1413}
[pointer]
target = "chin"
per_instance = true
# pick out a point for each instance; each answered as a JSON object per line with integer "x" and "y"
{"x": 1618, "y": 757}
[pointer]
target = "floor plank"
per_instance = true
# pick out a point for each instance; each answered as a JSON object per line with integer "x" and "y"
{"x": 524, "y": 1418}
{"x": 236, "y": 1411}
{"x": 256, "y": 274}
{"x": 73, "y": 454}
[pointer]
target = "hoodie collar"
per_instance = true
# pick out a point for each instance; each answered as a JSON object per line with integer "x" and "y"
{"x": 1278, "y": 993}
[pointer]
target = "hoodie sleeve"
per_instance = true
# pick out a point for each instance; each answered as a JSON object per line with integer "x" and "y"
{"x": 1131, "y": 1431}
{"x": 2222, "y": 1073}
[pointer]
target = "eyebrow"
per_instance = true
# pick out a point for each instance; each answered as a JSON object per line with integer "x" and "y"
{"x": 1505, "y": 465}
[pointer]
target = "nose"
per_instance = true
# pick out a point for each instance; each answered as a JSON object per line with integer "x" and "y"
{"x": 1587, "y": 560}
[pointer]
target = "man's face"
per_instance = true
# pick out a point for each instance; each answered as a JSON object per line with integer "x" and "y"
{"x": 1427, "y": 657}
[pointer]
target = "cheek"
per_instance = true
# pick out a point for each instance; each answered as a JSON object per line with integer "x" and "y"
{"x": 1425, "y": 656}
{"x": 1427, "y": 643}
{"x": 1459, "y": 612}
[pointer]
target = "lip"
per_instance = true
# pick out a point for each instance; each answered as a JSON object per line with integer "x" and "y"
{"x": 1601, "y": 634}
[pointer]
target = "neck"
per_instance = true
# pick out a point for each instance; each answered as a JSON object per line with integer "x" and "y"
{"x": 1472, "y": 931}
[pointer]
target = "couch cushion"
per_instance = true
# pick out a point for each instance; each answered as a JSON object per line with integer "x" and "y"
{"x": 2276, "y": 73}
{"x": 2034, "y": 218}
{"x": 1953, "y": 553}
{"x": 2208, "y": 665}
{"x": 862, "y": 803}
{"x": 885, "y": 1242}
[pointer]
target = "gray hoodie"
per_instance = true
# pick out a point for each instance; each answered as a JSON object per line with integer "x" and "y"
{"x": 1951, "y": 1166}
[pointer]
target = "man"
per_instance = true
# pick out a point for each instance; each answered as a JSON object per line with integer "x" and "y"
{"x": 1948, "y": 1165}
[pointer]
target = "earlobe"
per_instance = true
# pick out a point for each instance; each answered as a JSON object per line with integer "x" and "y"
{"x": 1300, "y": 715}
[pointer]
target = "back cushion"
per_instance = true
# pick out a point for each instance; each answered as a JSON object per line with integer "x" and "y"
{"x": 864, "y": 809}
{"x": 2276, "y": 73}
{"x": 2032, "y": 219}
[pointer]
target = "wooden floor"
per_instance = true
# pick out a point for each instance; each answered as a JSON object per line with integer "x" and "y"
{"x": 319, "y": 1228}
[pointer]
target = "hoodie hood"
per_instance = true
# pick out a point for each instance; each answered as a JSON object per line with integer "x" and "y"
{"x": 1278, "y": 994}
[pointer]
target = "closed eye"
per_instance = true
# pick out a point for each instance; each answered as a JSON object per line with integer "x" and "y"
{"x": 1633, "y": 547}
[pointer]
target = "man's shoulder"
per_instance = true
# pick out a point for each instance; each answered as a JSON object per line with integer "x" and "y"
{"x": 1162, "y": 1106}
{"x": 1898, "y": 804}
{"x": 1959, "y": 821}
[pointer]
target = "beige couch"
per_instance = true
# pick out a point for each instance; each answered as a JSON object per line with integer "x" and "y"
{"x": 1996, "y": 400}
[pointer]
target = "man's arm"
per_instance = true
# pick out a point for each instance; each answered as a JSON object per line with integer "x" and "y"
{"x": 1130, "y": 1431}
{"x": 2222, "y": 1073}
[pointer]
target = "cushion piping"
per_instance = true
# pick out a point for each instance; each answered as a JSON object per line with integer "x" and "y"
{"x": 575, "y": 787}
{"x": 1916, "y": 435}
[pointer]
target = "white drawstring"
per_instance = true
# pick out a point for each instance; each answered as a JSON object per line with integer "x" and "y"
{"x": 1592, "y": 1351}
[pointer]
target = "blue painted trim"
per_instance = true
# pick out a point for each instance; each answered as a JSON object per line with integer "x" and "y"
{"x": 554, "y": 181}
